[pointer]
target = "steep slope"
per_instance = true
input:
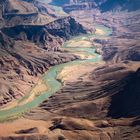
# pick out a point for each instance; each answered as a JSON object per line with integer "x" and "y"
{"x": 51, "y": 35}
{"x": 128, "y": 98}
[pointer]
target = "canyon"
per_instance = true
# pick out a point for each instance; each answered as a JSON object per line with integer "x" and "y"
{"x": 91, "y": 48}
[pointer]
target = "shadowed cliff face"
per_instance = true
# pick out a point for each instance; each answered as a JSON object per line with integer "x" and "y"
{"x": 5, "y": 41}
{"x": 51, "y": 35}
{"x": 128, "y": 98}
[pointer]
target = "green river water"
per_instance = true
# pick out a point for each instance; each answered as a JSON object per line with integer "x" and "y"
{"x": 50, "y": 77}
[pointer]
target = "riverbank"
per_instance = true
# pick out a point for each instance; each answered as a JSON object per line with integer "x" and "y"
{"x": 49, "y": 78}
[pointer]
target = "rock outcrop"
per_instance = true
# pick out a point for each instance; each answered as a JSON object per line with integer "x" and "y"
{"x": 50, "y": 36}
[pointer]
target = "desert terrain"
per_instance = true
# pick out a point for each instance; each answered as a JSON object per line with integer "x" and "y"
{"x": 70, "y": 70}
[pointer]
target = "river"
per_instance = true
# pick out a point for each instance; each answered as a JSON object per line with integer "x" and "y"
{"x": 50, "y": 76}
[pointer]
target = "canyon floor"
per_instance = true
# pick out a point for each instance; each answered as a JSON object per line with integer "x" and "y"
{"x": 99, "y": 96}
